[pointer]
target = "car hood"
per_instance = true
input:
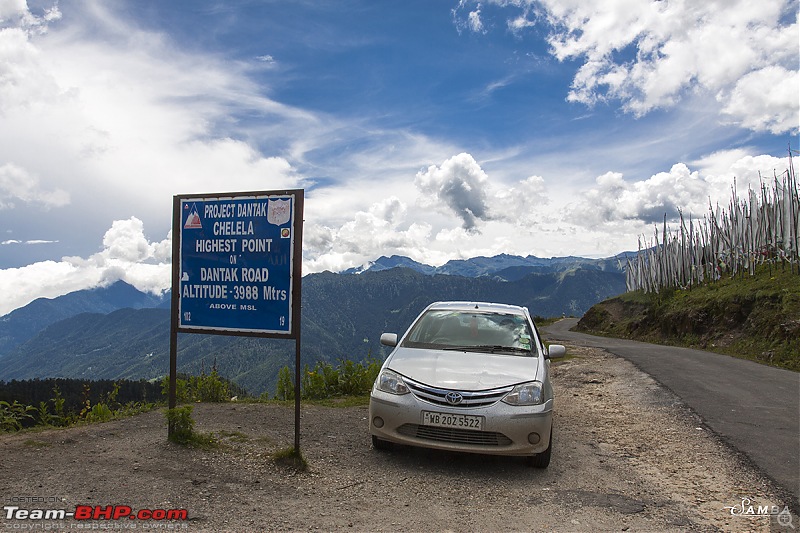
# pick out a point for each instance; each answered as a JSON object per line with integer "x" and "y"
{"x": 449, "y": 369}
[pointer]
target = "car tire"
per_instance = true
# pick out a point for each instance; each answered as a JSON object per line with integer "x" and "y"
{"x": 380, "y": 444}
{"x": 542, "y": 460}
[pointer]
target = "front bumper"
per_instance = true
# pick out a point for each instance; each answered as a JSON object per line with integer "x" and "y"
{"x": 507, "y": 429}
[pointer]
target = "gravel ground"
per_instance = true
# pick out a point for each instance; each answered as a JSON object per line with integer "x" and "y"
{"x": 628, "y": 456}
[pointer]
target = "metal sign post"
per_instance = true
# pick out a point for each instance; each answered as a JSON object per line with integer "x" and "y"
{"x": 237, "y": 269}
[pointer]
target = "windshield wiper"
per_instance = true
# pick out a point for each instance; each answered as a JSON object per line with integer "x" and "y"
{"x": 491, "y": 348}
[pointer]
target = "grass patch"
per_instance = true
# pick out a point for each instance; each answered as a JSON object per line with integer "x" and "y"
{"x": 234, "y": 436}
{"x": 291, "y": 458}
{"x": 36, "y": 443}
{"x": 752, "y": 317}
{"x": 342, "y": 401}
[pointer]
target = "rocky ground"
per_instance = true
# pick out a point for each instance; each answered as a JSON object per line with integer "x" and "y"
{"x": 628, "y": 456}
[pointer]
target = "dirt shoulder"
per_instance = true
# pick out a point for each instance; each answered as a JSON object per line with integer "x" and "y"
{"x": 627, "y": 456}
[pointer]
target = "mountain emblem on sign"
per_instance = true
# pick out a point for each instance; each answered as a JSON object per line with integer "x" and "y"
{"x": 193, "y": 220}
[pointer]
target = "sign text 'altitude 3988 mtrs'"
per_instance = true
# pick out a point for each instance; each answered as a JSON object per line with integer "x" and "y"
{"x": 236, "y": 259}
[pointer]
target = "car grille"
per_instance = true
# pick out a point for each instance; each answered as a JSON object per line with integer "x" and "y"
{"x": 469, "y": 398}
{"x": 454, "y": 435}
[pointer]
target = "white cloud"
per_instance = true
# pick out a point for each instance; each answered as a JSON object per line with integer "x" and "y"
{"x": 471, "y": 22}
{"x": 125, "y": 241}
{"x": 725, "y": 168}
{"x": 383, "y": 226}
{"x": 474, "y": 18}
{"x": 460, "y": 185}
{"x": 522, "y": 204}
{"x": 16, "y": 184}
{"x": 677, "y": 46}
{"x": 127, "y": 255}
{"x": 606, "y": 219}
{"x": 663, "y": 194}
{"x": 419, "y": 223}
{"x": 102, "y": 119}
{"x": 16, "y": 12}
{"x": 650, "y": 54}
{"x": 765, "y": 100}
{"x": 12, "y": 9}
{"x": 614, "y": 200}
{"x": 32, "y": 241}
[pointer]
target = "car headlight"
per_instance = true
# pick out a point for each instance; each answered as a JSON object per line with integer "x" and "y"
{"x": 391, "y": 382}
{"x": 525, "y": 394}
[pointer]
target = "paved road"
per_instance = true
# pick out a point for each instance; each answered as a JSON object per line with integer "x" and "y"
{"x": 755, "y": 408}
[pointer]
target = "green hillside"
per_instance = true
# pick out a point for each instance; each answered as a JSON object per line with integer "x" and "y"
{"x": 343, "y": 317}
{"x": 754, "y": 317}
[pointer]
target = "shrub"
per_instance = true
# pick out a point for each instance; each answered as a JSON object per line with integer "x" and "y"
{"x": 99, "y": 412}
{"x": 319, "y": 383}
{"x": 181, "y": 424}
{"x": 59, "y": 415}
{"x": 325, "y": 381}
{"x": 12, "y": 415}
{"x": 210, "y": 388}
{"x": 181, "y": 389}
{"x": 285, "y": 387}
{"x": 355, "y": 378}
{"x": 202, "y": 388}
{"x": 43, "y": 416}
{"x": 182, "y": 431}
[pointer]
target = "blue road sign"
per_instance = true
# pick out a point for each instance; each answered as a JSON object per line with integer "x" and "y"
{"x": 236, "y": 256}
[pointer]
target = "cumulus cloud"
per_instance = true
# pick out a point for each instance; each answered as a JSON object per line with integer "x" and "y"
{"x": 16, "y": 12}
{"x": 460, "y": 185}
{"x": 383, "y": 226}
{"x": 765, "y": 100}
{"x": 724, "y": 169}
{"x": 613, "y": 199}
{"x": 522, "y": 203}
{"x": 650, "y": 55}
{"x": 126, "y": 255}
{"x": 420, "y": 225}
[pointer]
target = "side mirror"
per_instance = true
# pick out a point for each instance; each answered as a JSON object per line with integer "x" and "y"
{"x": 389, "y": 339}
{"x": 554, "y": 350}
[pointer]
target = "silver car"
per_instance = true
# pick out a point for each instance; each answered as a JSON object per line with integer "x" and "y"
{"x": 469, "y": 377}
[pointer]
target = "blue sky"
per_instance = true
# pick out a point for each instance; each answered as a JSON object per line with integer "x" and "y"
{"x": 437, "y": 129}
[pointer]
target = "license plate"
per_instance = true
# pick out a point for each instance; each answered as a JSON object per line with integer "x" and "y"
{"x": 446, "y": 420}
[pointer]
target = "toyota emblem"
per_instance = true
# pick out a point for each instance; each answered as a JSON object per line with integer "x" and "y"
{"x": 453, "y": 398}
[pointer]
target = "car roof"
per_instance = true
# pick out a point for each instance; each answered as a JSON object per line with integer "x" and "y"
{"x": 483, "y": 306}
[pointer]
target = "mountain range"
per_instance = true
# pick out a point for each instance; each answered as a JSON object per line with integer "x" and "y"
{"x": 119, "y": 332}
{"x": 505, "y": 267}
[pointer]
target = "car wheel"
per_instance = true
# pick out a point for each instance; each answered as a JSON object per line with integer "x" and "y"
{"x": 380, "y": 444}
{"x": 542, "y": 460}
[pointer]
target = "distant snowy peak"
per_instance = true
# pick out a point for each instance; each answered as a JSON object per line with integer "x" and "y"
{"x": 395, "y": 261}
{"x": 503, "y": 266}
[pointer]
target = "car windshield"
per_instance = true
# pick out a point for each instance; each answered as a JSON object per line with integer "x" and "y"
{"x": 472, "y": 330}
